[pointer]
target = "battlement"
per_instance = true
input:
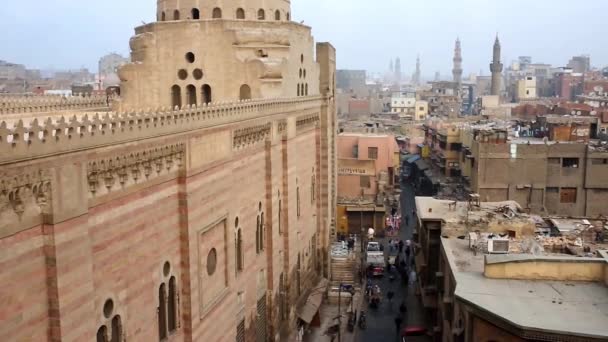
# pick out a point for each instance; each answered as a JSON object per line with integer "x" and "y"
{"x": 16, "y": 104}
{"x": 63, "y": 134}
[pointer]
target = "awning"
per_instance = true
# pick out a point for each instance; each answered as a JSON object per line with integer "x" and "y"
{"x": 308, "y": 310}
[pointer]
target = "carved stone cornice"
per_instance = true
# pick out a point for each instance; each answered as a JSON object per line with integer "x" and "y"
{"x": 115, "y": 173}
{"x": 246, "y": 137}
{"x": 307, "y": 121}
{"x": 25, "y": 191}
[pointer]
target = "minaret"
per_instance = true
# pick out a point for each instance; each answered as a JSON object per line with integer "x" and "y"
{"x": 398, "y": 70}
{"x": 417, "y": 73}
{"x": 496, "y": 69}
{"x": 457, "y": 71}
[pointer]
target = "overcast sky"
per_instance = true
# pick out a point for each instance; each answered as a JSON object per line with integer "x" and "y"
{"x": 367, "y": 34}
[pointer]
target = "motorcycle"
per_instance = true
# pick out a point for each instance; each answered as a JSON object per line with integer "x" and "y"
{"x": 362, "y": 321}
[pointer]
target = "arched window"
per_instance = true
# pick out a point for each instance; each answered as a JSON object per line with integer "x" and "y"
{"x": 163, "y": 16}
{"x": 176, "y": 15}
{"x": 206, "y": 92}
{"x": 240, "y": 13}
{"x": 191, "y": 94}
{"x": 306, "y": 89}
{"x": 239, "y": 250}
{"x": 280, "y": 210}
{"x": 245, "y": 92}
{"x": 217, "y": 13}
{"x": 172, "y": 305}
{"x": 288, "y": 16}
{"x": 298, "y": 89}
{"x": 261, "y": 14}
{"x": 102, "y": 334}
{"x": 196, "y": 14}
{"x": 313, "y": 185}
{"x": 162, "y": 312}
{"x": 116, "y": 329}
{"x": 277, "y": 15}
{"x": 176, "y": 97}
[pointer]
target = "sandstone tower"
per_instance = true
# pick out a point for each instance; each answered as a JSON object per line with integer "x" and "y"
{"x": 457, "y": 71}
{"x": 496, "y": 69}
{"x": 200, "y": 52}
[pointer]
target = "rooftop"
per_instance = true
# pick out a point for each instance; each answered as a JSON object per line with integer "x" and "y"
{"x": 533, "y": 305}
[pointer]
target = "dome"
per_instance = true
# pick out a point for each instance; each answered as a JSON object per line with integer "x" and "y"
{"x": 169, "y": 10}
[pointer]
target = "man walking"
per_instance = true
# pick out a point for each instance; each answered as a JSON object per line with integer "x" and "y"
{"x": 398, "y": 321}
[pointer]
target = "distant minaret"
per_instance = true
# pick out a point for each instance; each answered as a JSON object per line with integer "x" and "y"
{"x": 457, "y": 71}
{"x": 398, "y": 70}
{"x": 496, "y": 68}
{"x": 417, "y": 73}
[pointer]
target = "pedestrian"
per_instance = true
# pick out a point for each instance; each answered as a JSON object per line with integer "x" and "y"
{"x": 398, "y": 321}
{"x": 390, "y": 295}
{"x": 407, "y": 220}
{"x": 401, "y": 246}
{"x": 402, "y": 308}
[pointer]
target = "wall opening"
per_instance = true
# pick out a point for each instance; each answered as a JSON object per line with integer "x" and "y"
{"x": 116, "y": 329}
{"x": 176, "y": 97}
{"x": 298, "y": 89}
{"x": 102, "y": 333}
{"x": 239, "y": 250}
{"x": 306, "y": 89}
{"x": 245, "y": 92}
{"x": 162, "y": 312}
{"x": 191, "y": 94}
{"x": 288, "y": 16}
{"x": 163, "y": 16}
{"x": 172, "y": 305}
{"x": 277, "y": 15}
{"x": 206, "y": 92}
{"x": 261, "y": 14}
{"x": 176, "y": 15}
{"x": 190, "y": 58}
{"x": 196, "y": 14}
{"x": 217, "y": 13}
{"x": 240, "y": 13}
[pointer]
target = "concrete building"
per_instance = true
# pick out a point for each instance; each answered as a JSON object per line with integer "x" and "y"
{"x": 422, "y": 110}
{"x": 203, "y": 213}
{"x": 11, "y": 71}
{"x": 485, "y": 274}
{"x": 404, "y": 104}
{"x": 526, "y": 88}
{"x": 564, "y": 177}
{"x": 352, "y": 82}
{"x": 580, "y": 64}
{"x": 366, "y": 164}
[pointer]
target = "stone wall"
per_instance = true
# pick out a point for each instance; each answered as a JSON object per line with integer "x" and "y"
{"x": 10, "y": 104}
{"x": 93, "y": 209}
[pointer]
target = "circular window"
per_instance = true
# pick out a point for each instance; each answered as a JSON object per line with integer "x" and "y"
{"x": 182, "y": 74}
{"x": 211, "y": 261}
{"x": 108, "y": 308}
{"x": 190, "y": 57}
{"x": 197, "y": 74}
{"x": 166, "y": 269}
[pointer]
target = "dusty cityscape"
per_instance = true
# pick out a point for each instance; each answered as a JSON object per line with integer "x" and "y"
{"x": 229, "y": 180}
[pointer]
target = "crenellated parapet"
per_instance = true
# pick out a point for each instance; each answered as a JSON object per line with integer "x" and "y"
{"x": 16, "y": 104}
{"x": 66, "y": 134}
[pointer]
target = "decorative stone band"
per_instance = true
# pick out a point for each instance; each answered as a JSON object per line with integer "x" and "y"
{"x": 65, "y": 135}
{"x": 18, "y": 192}
{"x": 249, "y": 136}
{"x": 113, "y": 173}
{"x": 44, "y": 103}
{"x": 307, "y": 121}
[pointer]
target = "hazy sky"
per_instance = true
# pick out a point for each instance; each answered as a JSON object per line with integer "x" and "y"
{"x": 367, "y": 34}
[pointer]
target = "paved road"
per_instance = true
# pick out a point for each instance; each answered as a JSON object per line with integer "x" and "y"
{"x": 381, "y": 321}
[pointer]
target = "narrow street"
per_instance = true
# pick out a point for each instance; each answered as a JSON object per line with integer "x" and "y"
{"x": 381, "y": 321}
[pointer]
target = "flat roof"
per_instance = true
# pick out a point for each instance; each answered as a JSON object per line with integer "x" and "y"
{"x": 563, "y": 307}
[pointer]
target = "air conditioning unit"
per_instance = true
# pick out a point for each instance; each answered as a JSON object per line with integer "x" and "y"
{"x": 498, "y": 246}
